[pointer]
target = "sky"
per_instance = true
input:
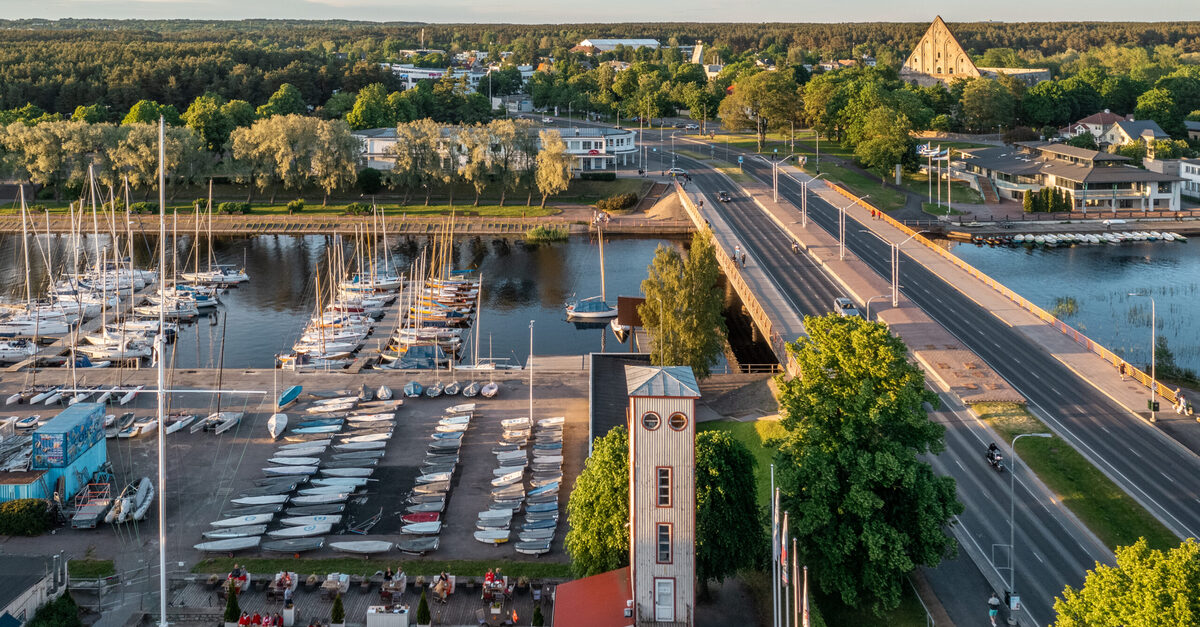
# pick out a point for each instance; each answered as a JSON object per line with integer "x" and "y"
{"x": 557, "y": 11}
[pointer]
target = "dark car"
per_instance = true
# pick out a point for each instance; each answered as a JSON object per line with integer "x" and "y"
{"x": 724, "y": 196}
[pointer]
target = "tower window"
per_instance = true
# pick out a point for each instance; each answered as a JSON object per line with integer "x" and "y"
{"x": 663, "y": 483}
{"x": 677, "y": 421}
{"x": 650, "y": 420}
{"x": 664, "y": 543}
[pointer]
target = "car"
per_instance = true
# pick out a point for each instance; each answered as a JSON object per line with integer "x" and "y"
{"x": 677, "y": 172}
{"x": 692, "y": 127}
{"x": 678, "y": 125}
{"x": 724, "y": 196}
{"x": 547, "y": 121}
{"x": 845, "y": 307}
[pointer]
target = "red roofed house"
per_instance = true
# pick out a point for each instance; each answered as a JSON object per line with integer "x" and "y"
{"x": 658, "y": 588}
{"x": 1097, "y": 124}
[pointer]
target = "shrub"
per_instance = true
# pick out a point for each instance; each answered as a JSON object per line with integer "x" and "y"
{"x": 61, "y": 612}
{"x": 143, "y": 207}
{"x": 1020, "y": 134}
{"x": 547, "y": 234}
{"x": 337, "y": 615}
{"x": 598, "y": 176}
{"x": 617, "y": 202}
{"x": 295, "y": 206}
{"x": 232, "y": 611}
{"x": 233, "y": 207}
{"x": 370, "y": 181}
{"x": 42, "y": 208}
{"x": 24, "y": 517}
{"x": 423, "y": 617}
{"x": 538, "y": 619}
{"x": 358, "y": 209}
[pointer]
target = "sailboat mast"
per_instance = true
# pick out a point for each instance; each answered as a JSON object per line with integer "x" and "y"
{"x": 161, "y": 397}
{"x": 600, "y": 232}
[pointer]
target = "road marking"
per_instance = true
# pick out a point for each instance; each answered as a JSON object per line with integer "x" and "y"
{"x": 1039, "y": 558}
{"x": 1167, "y": 476}
{"x": 963, "y": 468}
{"x": 1134, "y": 451}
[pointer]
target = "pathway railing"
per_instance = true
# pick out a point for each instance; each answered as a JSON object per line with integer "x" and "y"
{"x": 1047, "y": 317}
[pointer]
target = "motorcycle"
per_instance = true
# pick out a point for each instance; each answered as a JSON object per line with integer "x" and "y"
{"x": 995, "y": 458}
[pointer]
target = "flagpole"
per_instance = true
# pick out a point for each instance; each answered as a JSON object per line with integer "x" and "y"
{"x": 939, "y": 175}
{"x": 796, "y": 579}
{"x": 787, "y": 601}
{"x": 774, "y": 550}
{"x": 805, "y": 614}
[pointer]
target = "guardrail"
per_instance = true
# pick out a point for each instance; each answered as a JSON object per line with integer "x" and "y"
{"x": 730, "y": 268}
{"x": 1045, "y": 316}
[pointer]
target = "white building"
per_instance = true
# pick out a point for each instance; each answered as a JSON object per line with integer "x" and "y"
{"x": 608, "y": 45}
{"x": 1189, "y": 171}
{"x": 28, "y": 583}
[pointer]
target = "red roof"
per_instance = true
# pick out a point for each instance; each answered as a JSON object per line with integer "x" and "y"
{"x": 596, "y": 601}
{"x": 1104, "y": 117}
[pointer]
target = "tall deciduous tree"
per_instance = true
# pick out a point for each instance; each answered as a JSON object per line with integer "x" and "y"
{"x": 336, "y": 158}
{"x": 417, "y": 159}
{"x": 206, "y": 117}
{"x": 866, "y": 510}
{"x": 682, "y": 310}
{"x": 92, "y": 114}
{"x": 148, "y": 112}
{"x": 371, "y": 109}
{"x": 730, "y": 530}
{"x": 287, "y": 100}
{"x": 885, "y": 140}
{"x": 553, "y": 165}
{"x": 1146, "y": 587}
{"x": 986, "y": 105}
{"x": 598, "y": 510}
{"x": 476, "y": 164}
{"x": 505, "y": 152}
{"x": 761, "y": 102}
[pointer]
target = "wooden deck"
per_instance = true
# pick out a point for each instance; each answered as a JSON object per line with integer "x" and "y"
{"x": 194, "y": 602}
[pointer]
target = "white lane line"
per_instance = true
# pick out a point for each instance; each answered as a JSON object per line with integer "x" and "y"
{"x": 1039, "y": 557}
{"x": 961, "y": 467}
{"x": 1167, "y": 476}
{"x": 1134, "y": 451}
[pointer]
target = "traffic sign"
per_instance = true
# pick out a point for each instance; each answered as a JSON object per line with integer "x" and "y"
{"x": 740, "y": 158}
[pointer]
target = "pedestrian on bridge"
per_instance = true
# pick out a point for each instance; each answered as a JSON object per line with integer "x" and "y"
{"x": 993, "y": 608}
{"x": 737, "y": 253}
{"x": 743, "y": 259}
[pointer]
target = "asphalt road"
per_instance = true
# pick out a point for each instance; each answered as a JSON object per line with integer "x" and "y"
{"x": 1053, "y": 550}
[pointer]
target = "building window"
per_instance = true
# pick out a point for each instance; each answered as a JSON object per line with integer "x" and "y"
{"x": 650, "y": 420}
{"x": 664, "y": 543}
{"x": 664, "y": 487}
{"x": 677, "y": 421}
{"x": 664, "y": 600}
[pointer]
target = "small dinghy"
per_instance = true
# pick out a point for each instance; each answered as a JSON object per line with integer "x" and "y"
{"x": 225, "y": 421}
{"x": 418, "y": 546}
{"x": 260, "y": 500}
{"x": 504, "y": 470}
{"x": 315, "y": 519}
{"x": 300, "y": 452}
{"x": 540, "y": 524}
{"x": 358, "y": 455}
{"x": 551, "y": 506}
{"x": 294, "y": 461}
{"x": 320, "y": 499}
{"x": 362, "y": 547}
{"x": 447, "y": 458}
{"x": 539, "y": 482}
{"x": 280, "y": 471}
{"x": 551, "y": 515}
{"x": 371, "y": 437}
{"x": 289, "y": 396}
{"x": 506, "y": 456}
{"x": 470, "y": 390}
{"x": 451, "y": 435}
{"x": 547, "y": 459}
{"x": 349, "y": 463}
{"x": 496, "y": 514}
{"x": 420, "y": 517}
{"x": 273, "y": 481}
{"x": 463, "y": 408}
{"x": 329, "y": 489}
{"x": 556, "y": 420}
{"x": 276, "y": 425}
{"x": 427, "y": 507}
{"x": 543, "y": 498}
{"x": 360, "y": 446}
{"x": 512, "y": 505}
{"x": 445, "y": 445}
{"x": 463, "y": 419}
{"x": 459, "y": 428}
{"x": 508, "y": 479}
{"x": 306, "y": 438}
{"x": 412, "y": 389}
{"x": 352, "y": 482}
{"x": 365, "y": 394}
{"x": 535, "y": 547}
{"x": 549, "y": 488}
{"x": 534, "y": 535}
{"x": 347, "y": 472}
{"x": 235, "y": 532}
{"x": 239, "y": 512}
{"x": 492, "y": 536}
{"x": 322, "y": 442}
{"x": 452, "y": 388}
{"x": 432, "y": 497}
{"x": 435, "y": 390}
{"x": 229, "y": 545}
{"x": 306, "y": 531}
{"x": 422, "y": 529}
{"x": 178, "y": 422}
{"x": 489, "y": 390}
{"x": 368, "y": 418}
{"x": 511, "y": 491}
{"x": 270, "y": 490}
{"x": 321, "y": 429}
{"x": 431, "y": 488}
{"x": 314, "y": 510}
{"x": 434, "y": 477}
{"x": 515, "y": 423}
{"x": 293, "y": 545}
{"x": 321, "y": 422}
{"x": 384, "y": 393}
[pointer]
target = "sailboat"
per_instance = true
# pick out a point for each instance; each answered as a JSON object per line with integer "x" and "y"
{"x": 593, "y": 307}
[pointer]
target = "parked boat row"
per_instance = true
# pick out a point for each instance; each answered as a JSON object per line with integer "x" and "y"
{"x": 539, "y": 503}
{"x": 1070, "y": 239}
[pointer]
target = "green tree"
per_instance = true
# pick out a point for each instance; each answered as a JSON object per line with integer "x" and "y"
{"x": 148, "y": 112}
{"x": 1046, "y": 104}
{"x": 730, "y": 529}
{"x": 598, "y": 509}
{"x": 1146, "y": 587}
{"x": 986, "y": 105}
{"x": 369, "y": 181}
{"x": 1027, "y": 202}
{"x": 553, "y": 165}
{"x": 417, "y": 159}
{"x": 682, "y": 310}
{"x": 337, "y": 614}
{"x": 239, "y": 113}
{"x": 371, "y": 109}
{"x": 206, "y": 118}
{"x": 762, "y": 101}
{"x": 423, "y": 617}
{"x": 505, "y": 153}
{"x": 1159, "y": 105}
{"x": 1083, "y": 140}
{"x": 232, "y": 611}
{"x": 476, "y": 165}
{"x": 61, "y": 612}
{"x": 335, "y": 157}
{"x": 287, "y": 100}
{"x": 885, "y": 140}
{"x": 338, "y": 105}
{"x": 92, "y": 114}
{"x": 866, "y": 510}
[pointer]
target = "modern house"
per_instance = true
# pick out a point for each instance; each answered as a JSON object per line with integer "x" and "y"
{"x": 658, "y": 587}
{"x": 1097, "y": 124}
{"x": 1193, "y": 129}
{"x": 1124, "y": 131}
{"x": 1189, "y": 171}
{"x": 608, "y": 45}
{"x": 1090, "y": 178}
{"x": 592, "y": 148}
{"x": 27, "y": 583}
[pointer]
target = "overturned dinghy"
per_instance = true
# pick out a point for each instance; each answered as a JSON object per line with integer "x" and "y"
{"x": 293, "y": 545}
{"x": 431, "y": 488}
{"x": 244, "y": 531}
{"x": 320, "y": 499}
{"x": 347, "y": 472}
{"x": 318, "y": 519}
{"x": 429, "y": 506}
{"x": 229, "y": 545}
{"x": 364, "y": 547}
{"x": 357, "y": 455}
{"x": 418, "y": 546}
{"x": 532, "y": 535}
{"x": 313, "y": 510}
{"x": 492, "y": 536}
{"x": 349, "y": 463}
{"x": 360, "y": 446}
{"x": 301, "y": 532}
{"x": 249, "y": 519}
{"x": 534, "y": 547}
{"x": 422, "y": 529}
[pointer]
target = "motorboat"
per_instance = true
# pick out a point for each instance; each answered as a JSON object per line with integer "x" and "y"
{"x": 592, "y": 308}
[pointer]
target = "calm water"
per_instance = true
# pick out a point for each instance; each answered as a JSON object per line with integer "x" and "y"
{"x": 1098, "y": 280}
{"x": 264, "y": 317}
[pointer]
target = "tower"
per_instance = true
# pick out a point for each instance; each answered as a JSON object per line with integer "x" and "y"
{"x": 662, "y": 493}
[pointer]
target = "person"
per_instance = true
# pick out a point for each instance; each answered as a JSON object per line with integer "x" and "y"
{"x": 442, "y": 588}
{"x": 256, "y": 619}
{"x": 743, "y": 259}
{"x": 993, "y": 608}
{"x": 795, "y": 247}
{"x": 287, "y": 595}
{"x": 1123, "y": 371}
{"x": 278, "y": 619}
{"x": 244, "y": 620}
{"x": 489, "y": 577}
{"x": 1180, "y": 402}
{"x": 387, "y": 574}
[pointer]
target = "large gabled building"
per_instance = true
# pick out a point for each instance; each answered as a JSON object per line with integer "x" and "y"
{"x": 939, "y": 58}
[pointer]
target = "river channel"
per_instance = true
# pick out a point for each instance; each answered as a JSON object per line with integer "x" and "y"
{"x": 1089, "y": 287}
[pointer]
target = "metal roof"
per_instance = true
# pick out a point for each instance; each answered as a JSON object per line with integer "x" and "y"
{"x": 672, "y": 381}
{"x": 19, "y": 573}
{"x": 1119, "y": 174}
{"x": 1135, "y": 128}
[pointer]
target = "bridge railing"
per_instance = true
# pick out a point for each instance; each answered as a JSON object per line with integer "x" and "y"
{"x": 1047, "y": 317}
{"x": 731, "y": 270}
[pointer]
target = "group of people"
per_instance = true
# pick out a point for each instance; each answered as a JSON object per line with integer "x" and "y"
{"x": 493, "y": 584}
{"x": 259, "y": 620}
{"x": 739, "y": 255}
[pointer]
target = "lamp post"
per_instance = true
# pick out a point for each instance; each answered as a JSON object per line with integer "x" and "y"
{"x": 804, "y": 200}
{"x": 673, "y": 148}
{"x": 1012, "y": 513}
{"x": 869, "y": 304}
{"x": 1153, "y": 346}
{"x": 895, "y": 262}
{"x": 842, "y": 225}
{"x": 775, "y": 175}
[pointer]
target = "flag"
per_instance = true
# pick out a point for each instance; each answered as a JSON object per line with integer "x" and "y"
{"x": 514, "y": 616}
{"x": 775, "y": 527}
{"x": 783, "y": 556}
{"x": 804, "y": 616}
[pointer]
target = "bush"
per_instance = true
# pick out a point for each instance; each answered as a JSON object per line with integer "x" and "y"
{"x": 942, "y": 123}
{"x": 61, "y": 612}
{"x": 597, "y": 176}
{"x": 617, "y": 203}
{"x": 547, "y": 234}
{"x": 337, "y": 615}
{"x": 143, "y": 207}
{"x": 234, "y": 208}
{"x": 232, "y": 611}
{"x": 24, "y": 517}
{"x": 358, "y": 209}
{"x": 1020, "y": 134}
{"x": 295, "y": 206}
{"x": 35, "y": 208}
{"x": 370, "y": 181}
{"x": 423, "y": 617}
{"x": 538, "y": 619}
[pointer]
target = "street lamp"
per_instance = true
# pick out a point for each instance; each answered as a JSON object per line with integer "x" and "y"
{"x": 842, "y": 225}
{"x": 1012, "y": 513}
{"x": 673, "y": 148}
{"x": 895, "y": 262}
{"x": 869, "y": 304}
{"x": 804, "y": 200}
{"x": 1153, "y": 345}
{"x": 775, "y": 175}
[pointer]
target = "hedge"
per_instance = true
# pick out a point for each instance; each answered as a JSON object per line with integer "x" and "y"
{"x": 24, "y": 517}
{"x": 358, "y": 209}
{"x": 143, "y": 207}
{"x": 232, "y": 207}
{"x": 598, "y": 176}
{"x": 617, "y": 203}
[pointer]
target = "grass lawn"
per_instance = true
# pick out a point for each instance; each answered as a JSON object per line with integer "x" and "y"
{"x": 360, "y": 566}
{"x": 959, "y": 191}
{"x": 90, "y": 568}
{"x": 881, "y": 197}
{"x": 1107, "y": 510}
{"x": 934, "y": 210}
{"x": 757, "y": 437}
{"x": 910, "y": 613}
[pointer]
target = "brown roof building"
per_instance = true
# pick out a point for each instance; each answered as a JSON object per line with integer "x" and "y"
{"x": 939, "y": 58}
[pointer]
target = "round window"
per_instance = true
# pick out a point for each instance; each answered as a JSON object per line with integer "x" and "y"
{"x": 677, "y": 421}
{"x": 650, "y": 420}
